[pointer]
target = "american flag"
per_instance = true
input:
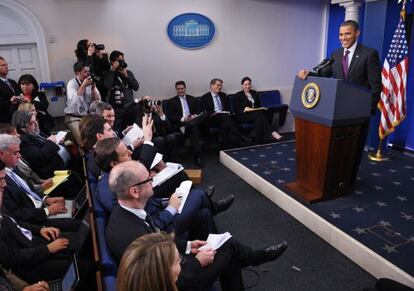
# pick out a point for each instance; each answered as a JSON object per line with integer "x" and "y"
{"x": 394, "y": 78}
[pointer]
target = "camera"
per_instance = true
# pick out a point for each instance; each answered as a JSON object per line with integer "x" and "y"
{"x": 93, "y": 78}
{"x": 118, "y": 95}
{"x": 99, "y": 47}
{"x": 151, "y": 103}
{"x": 122, "y": 64}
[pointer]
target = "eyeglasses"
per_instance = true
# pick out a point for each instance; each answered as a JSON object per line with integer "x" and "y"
{"x": 143, "y": 182}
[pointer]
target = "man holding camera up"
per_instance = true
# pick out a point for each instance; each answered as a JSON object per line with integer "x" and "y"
{"x": 81, "y": 91}
{"x": 120, "y": 83}
{"x": 8, "y": 92}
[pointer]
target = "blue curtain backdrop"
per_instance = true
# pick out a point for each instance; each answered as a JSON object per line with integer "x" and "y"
{"x": 378, "y": 21}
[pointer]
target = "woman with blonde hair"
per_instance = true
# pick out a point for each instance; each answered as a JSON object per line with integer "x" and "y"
{"x": 151, "y": 262}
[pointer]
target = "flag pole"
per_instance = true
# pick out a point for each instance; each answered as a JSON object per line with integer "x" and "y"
{"x": 378, "y": 156}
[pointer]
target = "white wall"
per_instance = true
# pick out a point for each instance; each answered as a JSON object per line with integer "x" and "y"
{"x": 264, "y": 39}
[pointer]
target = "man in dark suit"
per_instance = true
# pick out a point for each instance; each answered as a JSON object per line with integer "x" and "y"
{"x": 21, "y": 200}
{"x": 132, "y": 184}
{"x": 8, "y": 92}
{"x": 357, "y": 64}
{"x": 184, "y": 117}
{"x": 216, "y": 104}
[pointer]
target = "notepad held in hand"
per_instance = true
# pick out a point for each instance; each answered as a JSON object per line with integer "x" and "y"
{"x": 215, "y": 241}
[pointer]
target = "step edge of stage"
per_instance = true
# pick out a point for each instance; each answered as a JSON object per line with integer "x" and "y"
{"x": 363, "y": 256}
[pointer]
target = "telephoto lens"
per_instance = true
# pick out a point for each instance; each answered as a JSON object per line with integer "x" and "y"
{"x": 99, "y": 47}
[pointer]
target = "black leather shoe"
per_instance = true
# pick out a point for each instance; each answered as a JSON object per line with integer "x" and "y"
{"x": 223, "y": 204}
{"x": 210, "y": 190}
{"x": 198, "y": 162}
{"x": 275, "y": 251}
{"x": 245, "y": 141}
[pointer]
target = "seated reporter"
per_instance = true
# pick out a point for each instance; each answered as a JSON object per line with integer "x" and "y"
{"x": 23, "y": 202}
{"x": 196, "y": 217}
{"x": 10, "y": 282}
{"x": 40, "y": 151}
{"x": 201, "y": 268}
{"x": 31, "y": 94}
{"x": 245, "y": 103}
{"x": 217, "y": 107}
{"x": 151, "y": 262}
{"x": 23, "y": 168}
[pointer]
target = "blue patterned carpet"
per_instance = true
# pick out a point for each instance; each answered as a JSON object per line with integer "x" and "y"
{"x": 378, "y": 211}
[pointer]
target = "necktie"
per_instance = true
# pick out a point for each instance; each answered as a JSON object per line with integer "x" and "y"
{"x": 20, "y": 234}
{"x": 186, "y": 109}
{"x": 218, "y": 102}
{"x": 19, "y": 181}
{"x": 345, "y": 63}
{"x": 150, "y": 221}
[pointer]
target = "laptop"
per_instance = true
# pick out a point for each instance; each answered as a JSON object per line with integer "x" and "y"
{"x": 69, "y": 280}
{"x": 74, "y": 207}
{"x": 77, "y": 239}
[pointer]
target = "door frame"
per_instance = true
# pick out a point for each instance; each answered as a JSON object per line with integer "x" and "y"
{"x": 39, "y": 36}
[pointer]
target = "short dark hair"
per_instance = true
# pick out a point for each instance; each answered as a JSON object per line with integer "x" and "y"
{"x": 29, "y": 79}
{"x": 81, "y": 49}
{"x": 246, "y": 79}
{"x": 105, "y": 153}
{"x": 180, "y": 83}
{"x": 215, "y": 80}
{"x": 114, "y": 55}
{"x": 352, "y": 23}
{"x": 78, "y": 66}
{"x": 1, "y": 58}
{"x": 7, "y": 128}
{"x": 93, "y": 125}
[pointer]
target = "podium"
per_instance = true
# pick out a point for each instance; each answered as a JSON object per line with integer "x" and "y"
{"x": 330, "y": 116}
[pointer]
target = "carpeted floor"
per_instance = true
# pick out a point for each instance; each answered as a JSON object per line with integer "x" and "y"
{"x": 309, "y": 262}
{"x": 377, "y": 211}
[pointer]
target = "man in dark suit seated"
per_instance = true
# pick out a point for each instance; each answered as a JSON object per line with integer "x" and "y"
{"x": 196, "y": 218}
{"x": 357, "y": 64}
{"x": 23, "y": 202}
{"x": 8, "y": 92}
{"x": 184, "y": 117}
{"x": 217, "y": 107}
{"x": 200, "y": 268}
{"x": 29, "y": 249}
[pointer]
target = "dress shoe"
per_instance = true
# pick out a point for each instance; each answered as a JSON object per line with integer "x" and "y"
{"x": 210, "y": 190}
{"x": 245, "y": 141}
{"x": 273, "y": 252}
{"x": 223, "y": 204}
{"x": 198, "y": 162}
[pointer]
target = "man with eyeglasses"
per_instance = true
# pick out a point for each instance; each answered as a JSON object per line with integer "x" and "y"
{"x": 200, "y": 269}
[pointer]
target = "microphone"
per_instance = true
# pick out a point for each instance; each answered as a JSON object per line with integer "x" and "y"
{"x": 323, "y": 64}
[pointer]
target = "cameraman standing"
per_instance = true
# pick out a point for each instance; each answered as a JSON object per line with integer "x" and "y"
{"x": 120, "y": 84}
{"x": 81, "y": 91}
{"x": 92, "y": 54}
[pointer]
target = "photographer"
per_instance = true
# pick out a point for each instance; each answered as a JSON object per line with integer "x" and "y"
{"x": 92, "y": 54}
{"x": 81, "y": 92}
{"x": 120, "y": 83}
{"x": 162, "y": 137}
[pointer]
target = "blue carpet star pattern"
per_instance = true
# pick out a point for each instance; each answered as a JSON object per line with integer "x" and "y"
{"x": 378, "y": 211}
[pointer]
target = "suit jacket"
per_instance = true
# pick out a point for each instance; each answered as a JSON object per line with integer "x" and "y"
{"x": 208, "y": 102}
{"x": 364, "y": 70}
{"x": 241, "y": 101}
{"x": 16, "y": 249}
{"x": 16, "y": 201}
{"x": 41, "y": 155}
{"x": 175, "y": 112}
{"x": 124, "y": 227}
{"x": 163, "y": 219}
{"x": 6, "y": 110}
